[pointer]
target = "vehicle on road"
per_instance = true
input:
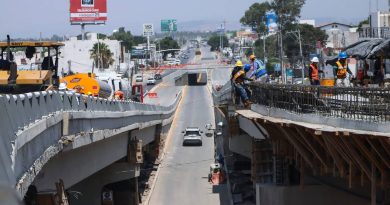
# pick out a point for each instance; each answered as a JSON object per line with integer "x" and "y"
{"x": 157, "y": 76}
{"x": 139, "y": 79}
{"x": 151, "y": 81}
{"x": 192, "y": 136}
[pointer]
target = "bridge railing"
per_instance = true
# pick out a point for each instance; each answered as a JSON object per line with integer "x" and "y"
{"x": 25, "y": 109}
{"x": 365, "y": 104}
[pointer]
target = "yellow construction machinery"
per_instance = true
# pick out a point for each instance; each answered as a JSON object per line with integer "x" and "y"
{"x": 16, "y": 81}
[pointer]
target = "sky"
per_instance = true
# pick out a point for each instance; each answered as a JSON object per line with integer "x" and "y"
{"x": 29, "y": 18}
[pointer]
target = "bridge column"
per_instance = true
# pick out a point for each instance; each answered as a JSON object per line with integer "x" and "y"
{"x": 116, "y": 182}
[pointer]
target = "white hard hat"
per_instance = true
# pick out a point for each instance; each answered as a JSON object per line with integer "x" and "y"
{"x": 62, "y": 86}
{"x": 315, "y": 60}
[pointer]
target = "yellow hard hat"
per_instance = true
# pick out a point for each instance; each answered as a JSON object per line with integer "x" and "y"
{"x": 239, "y": 64}
{"x": 252, "y": 57}
{"x": 89, "y": 93}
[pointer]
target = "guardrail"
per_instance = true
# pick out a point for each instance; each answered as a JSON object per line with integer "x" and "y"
{"x": 364, "y": 104}
{"x": 25, "y": 109}
{"x": 374, "y": 32}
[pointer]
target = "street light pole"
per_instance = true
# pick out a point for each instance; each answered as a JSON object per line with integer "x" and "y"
{"x": 301, "y": 52}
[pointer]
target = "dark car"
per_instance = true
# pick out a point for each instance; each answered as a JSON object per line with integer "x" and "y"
{"x": 157, "y": 76}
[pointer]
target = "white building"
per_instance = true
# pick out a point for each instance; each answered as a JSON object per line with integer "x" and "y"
{"x": 380, "y": 19}
{"x": 339, "y": 35}
{"x": 76, "y": 54}
{"x": 308, "y": 21}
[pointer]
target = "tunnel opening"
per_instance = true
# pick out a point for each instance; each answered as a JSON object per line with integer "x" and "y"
{"x": 192, "y": 79}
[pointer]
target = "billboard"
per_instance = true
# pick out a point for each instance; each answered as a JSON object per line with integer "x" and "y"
{"x": 272, "y": 22}
{"x": 168, "y": 25}
{"x": 88, "y": 11}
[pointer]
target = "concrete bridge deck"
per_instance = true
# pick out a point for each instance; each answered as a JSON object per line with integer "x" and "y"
{"x": 37, "y": 127}
{"x": 327, "y": 137}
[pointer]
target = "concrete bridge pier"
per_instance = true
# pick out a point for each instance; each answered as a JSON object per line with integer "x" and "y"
{"x": 116, "y": 183}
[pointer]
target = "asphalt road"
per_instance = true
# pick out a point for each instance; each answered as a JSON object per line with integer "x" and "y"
{"x": 183, "y": 174}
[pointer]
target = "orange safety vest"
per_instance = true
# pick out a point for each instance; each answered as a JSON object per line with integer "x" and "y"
{"x": 314, "y": 72}
{"x": 238, "y": 74}
{"x": 342, "y": 69}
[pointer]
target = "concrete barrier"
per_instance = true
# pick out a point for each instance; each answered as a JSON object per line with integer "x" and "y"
{"x": 33, "y": 126}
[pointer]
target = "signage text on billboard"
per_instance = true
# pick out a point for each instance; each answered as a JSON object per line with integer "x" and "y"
{"x": 272, "y": 22}
{"x": 148, "y": 30}
{"x": 88, "y": 11}
{"x": 168, "y": 25}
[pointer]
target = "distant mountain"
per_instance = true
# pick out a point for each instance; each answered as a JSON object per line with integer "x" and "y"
{"x": 206, "y": 25}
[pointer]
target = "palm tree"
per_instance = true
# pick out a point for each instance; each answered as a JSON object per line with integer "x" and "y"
{"x": 101, "y": 55}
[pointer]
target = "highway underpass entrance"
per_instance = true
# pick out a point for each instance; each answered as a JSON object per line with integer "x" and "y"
{"x": 192, "y": 79}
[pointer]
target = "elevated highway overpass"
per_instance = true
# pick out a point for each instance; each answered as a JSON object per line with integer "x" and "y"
{"x": 47, "y": 136}
{"x": 333, "y": 143}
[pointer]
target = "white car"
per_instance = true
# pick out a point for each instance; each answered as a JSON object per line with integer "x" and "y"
{"x": 177, "y": 62}
{"x": 192, "y": 136}
{"x": 139, "y": 79}
{"x": 151, "y": 81}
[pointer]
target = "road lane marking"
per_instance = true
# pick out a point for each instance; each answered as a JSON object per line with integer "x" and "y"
{"x": 167, "y": 144}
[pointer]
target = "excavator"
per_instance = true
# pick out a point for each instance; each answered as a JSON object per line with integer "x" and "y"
{"x": 43, "y": 77}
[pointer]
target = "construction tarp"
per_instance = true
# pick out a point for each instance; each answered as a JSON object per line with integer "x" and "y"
{"x": 382, "y": 49}
{"x": 362, "y": 50}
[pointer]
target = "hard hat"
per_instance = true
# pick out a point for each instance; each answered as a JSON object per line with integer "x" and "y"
{"x": 247, "y": 68}
{"x": 239, "y": 63}
{"x": 89, "y": 93}
{"x": 62, "y": 86}
{"x": 343, "y": 55}
{"x": 315, "y": 60}
{"x": 252, "y": 57}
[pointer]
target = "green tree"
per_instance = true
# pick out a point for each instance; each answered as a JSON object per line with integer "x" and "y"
{"x": 139, "y": 40}
{"x": 101, "y": 55}
{"x": 125, "y": 37}
{"x": 309, "y": 35}
{"x": 215, "y": 42}
{"x": 364, "y": 22}
{"x": 255, "y": 16}
{"x": 271, "y": 47}
{"x": 288, "y": 12}
{"x": 168, "y": 43}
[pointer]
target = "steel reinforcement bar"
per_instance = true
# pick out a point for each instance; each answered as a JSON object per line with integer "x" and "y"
{"x": 366, "y": 104}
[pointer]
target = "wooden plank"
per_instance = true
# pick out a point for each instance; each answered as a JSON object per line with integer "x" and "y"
{"x": 339, "y": 163}
{"x": 302, "y": 151}
{"x": 367, "y": 153}
{"x": 303, "y": 136}
{"x": 380, "y": 152}
{"x": 356, "y": 157}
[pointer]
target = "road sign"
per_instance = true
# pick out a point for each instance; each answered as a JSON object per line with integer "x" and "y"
{"x": 138, "y": 53}
{"x": 148, "y": 30}
{"x": 152, "y": 95}
{"x": 168, "y": 25}
{"x": 88, "y": 12}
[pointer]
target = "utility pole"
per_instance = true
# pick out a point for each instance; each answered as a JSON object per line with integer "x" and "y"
{"x": 265, "y": 57}
{"x": 301, "y": 53}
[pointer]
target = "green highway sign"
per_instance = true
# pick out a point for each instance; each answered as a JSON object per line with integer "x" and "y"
{"x": 168, "y": 25}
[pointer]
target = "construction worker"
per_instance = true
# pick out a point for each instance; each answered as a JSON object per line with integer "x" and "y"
{"x": 259, "y": 70}
{"x": 236, "y": 69}
{"x": 118, "y": 95}
{"x": 341, "y": 69}
{"x": 239, "y": 83}
{"x": 314, "y": 71}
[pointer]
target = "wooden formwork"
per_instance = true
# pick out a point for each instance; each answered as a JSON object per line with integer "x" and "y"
{"x": 361, "y": 160}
